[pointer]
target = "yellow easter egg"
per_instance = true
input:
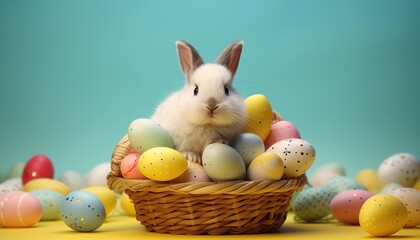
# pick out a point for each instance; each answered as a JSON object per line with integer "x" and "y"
{"x": 162, "y": 164}
{"x": 369, "y": 178}
{"x": 417, "y": 184}
{"x": 127, "y": 205}
{"x": 266, "y": 166}
{"x": 383, "y": 215}
{"x": 106, "y": 195}
{"x": 259, "y": 116}
{"x": 46, "y": 184}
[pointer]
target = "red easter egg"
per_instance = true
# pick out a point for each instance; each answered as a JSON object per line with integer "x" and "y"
{"x": 279, "y": 131}
{"x": 39, "y": 166}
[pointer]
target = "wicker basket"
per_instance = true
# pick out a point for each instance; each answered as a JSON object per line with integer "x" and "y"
{"x": 233, "y": 207}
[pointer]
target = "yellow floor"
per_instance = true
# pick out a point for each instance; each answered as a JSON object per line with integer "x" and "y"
{"x": 124, "y": 227}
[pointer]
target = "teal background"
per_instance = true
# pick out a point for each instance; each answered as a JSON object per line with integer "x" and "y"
{"x": 74, "y": 74}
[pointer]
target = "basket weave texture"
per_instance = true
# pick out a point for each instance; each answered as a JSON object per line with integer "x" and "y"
{"x": 232, "y": 207}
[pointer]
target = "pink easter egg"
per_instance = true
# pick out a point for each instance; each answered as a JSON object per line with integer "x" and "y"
{"x": 279, "y": 131}
{"x": 19, "y": 209}
{"x": 195, "y": 173}
{"x": 129, "y": 168}
{"x": 345, "y": 206}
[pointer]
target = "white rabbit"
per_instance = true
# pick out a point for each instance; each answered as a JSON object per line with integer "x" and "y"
{"x": 208, "y": 109}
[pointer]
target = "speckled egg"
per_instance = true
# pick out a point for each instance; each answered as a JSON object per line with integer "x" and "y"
{"x": 345, "y": 206}
{"x": 338, "y": 184}
{"x": 145, "y": 134}
{"x": 312, "y": 204}
{"x": 50, "y": 202}
{"x": 223, "y": 163}
{"x": 411, "y": 199}
{"x": 19, "y": 209}
{"x": 249, "y": 146}
{"x": 259, "y": 116}
{"x": 162, "y": 164}
{"x": 39, "y": 166}
{"x": 46, "y": 184}
{"x": 82, "y": 211}
{"x": 402, "y": 168}
{"x": 383, "y": 215}
{"x": 298, "y": 156}
{"x": 279, "y": 131}
{"x": 73, "y": 180}
{"x": 369, "y": 178}
{"x": 267, "y": 166}
{"x": 129, "y": 166}
{"x": 194, "y": 173}
{"x": 13, "y": 184}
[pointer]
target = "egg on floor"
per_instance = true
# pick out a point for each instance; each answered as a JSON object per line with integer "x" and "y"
{"x": 98, "y": 174}
{"x": 411, "y": 199}
{"x": 19, "y": 209}
{"x": 106, "y": 195}
{"x": 39, "y": 166}
{"x": 368, "y": 177}
{"x": 402, "y": 168}
{"x": 82, "y": 211}
{"x": 50, "y": 201}
{"x": 46, "y": 184}
{"x": 127, "y": 205}
{"x": 73, "y": 179}
{"x": 312, "y": 204}
{"x": 345, "y": 206}
{"x": 383, "y": 215}
{"x": 12, "y": 184}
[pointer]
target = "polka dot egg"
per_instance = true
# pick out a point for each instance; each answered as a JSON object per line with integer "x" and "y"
{"x": 82, "y": 211}
{"x": 298, "y": 156}
{"x": 312, "y": 204}
{"x": 249, "y": 146}
{"x": 402, "y": 168}
{"x": 162, "y": 164}
{"x": 383, "y": 215}
{"x": 411, "y": 199}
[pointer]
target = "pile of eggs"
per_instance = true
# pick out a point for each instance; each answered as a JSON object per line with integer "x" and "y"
{"x": 31, "y": 194}
{"x": 263, "y": 151}
{"x": 381, "y": 201}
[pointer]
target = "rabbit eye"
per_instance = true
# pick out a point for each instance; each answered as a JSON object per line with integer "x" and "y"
{"x": 226, "y": 91}
{"x": 195, "y": 90}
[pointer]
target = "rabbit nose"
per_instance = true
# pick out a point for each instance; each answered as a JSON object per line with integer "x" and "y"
{"x": 212, "y": 104}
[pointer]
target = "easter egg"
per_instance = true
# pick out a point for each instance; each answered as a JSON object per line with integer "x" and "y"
{"x": 106, "y": 195}
{"x": 332, "y": 167}
{"x": 46, "y": 184}
{"x": 345, "y": 206}
{"x": 411, "y": 199}
{"x": 145, "y": 134}
{"x": 98, "y": 174}
{"x": 162, "y": 164}
{"x": 39, "y": 166}
{"x": 13, "y": 184}
{"x": 50, "y": 202}
{"x": 402, "y": 168}
{"x": 383, "y": 215}
{"x": 369, "y": 178}
{"x": 194, "y": 173}
{"x": 127, "y": 205}
{"x": 72, "y": 179}
{"x": 298, "y": 156}
{"x": 259, "y": 116}
{"x": 249, "y": 146}
{"x": 279, "y": 131}
{"x": 19, "y": 209}
{"x": 82, "y": 211}
{"x": 223, "y": 163}
{"x": 129, "y": 166}
{"x": 390, "y": 187}
{"x": 312, "y": 204}
{"x": 267, "y": 166}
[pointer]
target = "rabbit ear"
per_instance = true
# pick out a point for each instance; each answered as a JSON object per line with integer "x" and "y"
{"x": 230, "y": 56}
{"x": 189, "y": 59}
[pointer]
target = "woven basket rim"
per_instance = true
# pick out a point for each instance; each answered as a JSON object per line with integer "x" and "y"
{"x": 117, "y": 182}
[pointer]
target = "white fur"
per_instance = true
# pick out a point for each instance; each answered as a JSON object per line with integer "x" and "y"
{"x": 187, "y": 118}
